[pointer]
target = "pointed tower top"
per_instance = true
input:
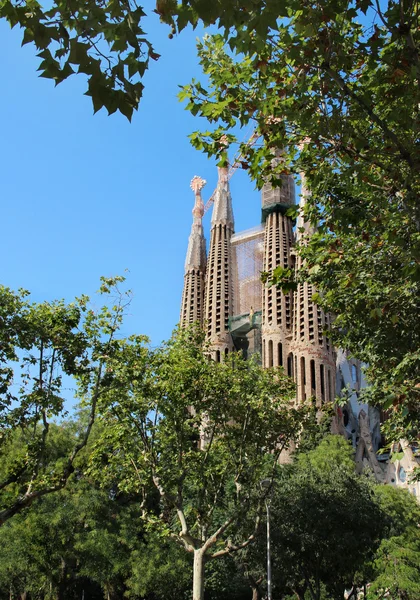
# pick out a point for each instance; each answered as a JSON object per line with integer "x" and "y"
{"x": 197, "y": 184}
{"x": 222, "y": 210}
{"x": 196, "y": 252}
{"x": 308, "y": 229}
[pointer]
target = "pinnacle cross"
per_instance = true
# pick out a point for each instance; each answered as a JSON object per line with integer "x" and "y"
{"x": 197, "y": 184}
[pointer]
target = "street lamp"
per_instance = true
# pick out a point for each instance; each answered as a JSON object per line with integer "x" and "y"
{"x": 266, "y": 485}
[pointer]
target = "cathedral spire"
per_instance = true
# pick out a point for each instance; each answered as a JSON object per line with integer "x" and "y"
{"x": 277, "y": 307}
{"x": 301, "y": 224}
{"x": 218, "y": 299}
{"x": 222, "y": 211}
{"x": 195, "y": 262}
{"x": 314, "y": 355}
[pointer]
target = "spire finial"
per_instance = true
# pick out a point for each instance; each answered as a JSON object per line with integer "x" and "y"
{"x": 197, "y": 184}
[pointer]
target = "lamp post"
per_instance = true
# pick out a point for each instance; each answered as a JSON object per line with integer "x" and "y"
{"x": 266, "y": 484}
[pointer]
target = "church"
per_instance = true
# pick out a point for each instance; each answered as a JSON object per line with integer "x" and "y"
{"x": 224, "y": 293}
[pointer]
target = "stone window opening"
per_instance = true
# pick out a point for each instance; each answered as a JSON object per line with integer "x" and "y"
{"x": 280, "y": 354}
{"x": 313, "y": 378}
{"x": 302, "y": 379}
{"x": 321, "y": 374}
{"x": 290, "y": 365}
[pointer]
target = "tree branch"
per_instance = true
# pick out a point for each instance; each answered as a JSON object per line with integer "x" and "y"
{"x": 381, "y": 124}
{"x": 234, "y": 548}
{"x": 214, "y": 538}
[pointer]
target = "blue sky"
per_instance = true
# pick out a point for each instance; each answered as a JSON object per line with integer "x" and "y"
{"x": 87, "y": 195}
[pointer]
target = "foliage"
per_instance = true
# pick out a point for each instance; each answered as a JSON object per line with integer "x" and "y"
{"x": 335, "y": 87}
{"x": 79, "y": 541}
{"x": 159, "y": 569}
{"x": 68, "y": 542}
{"x": 401, "y": 509}
{"x": 103, "y": 40}
{"x": 203, "y": 434}
{"x": 398, "y": 567}
{"x": 42, "y": 348}
{"x": 334, "y": 530}
{"x": 325, "y": 523}
{"x": 395, "y": 569}
{"x": 88, "y": 541}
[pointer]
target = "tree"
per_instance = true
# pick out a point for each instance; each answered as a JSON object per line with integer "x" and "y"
{"x": 103, "y": 40}
{"x": 395, "y": 569}
{"x": 202, "y": 434}
{"x": 326, "y": 523}
{"x": 333, "y": 86}
{"x": 40, "y": 345}
{"x": 76, "y": 542}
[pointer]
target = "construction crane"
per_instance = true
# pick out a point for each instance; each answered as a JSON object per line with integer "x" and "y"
{"x": 235, "y": 165}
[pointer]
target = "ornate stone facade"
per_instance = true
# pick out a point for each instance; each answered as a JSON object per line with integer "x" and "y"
{"x": 192, "y": 307}
{"x": 277, "y": 308}
{"x": 218, "y": 305}
{"x": 287, "y": 330}
{"x": 225, "y": 295}
{"x": 312, "y": 352}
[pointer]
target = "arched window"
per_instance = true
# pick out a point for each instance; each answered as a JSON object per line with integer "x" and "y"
{"x": 290, "y": 365}
{"x": 329, "y": 388}
{"x": 280, "y": 354}
{"x": 346, "y": 417}
{"x": 218, "y": 356}
{"x": 302, "y": 379}
{"x": 322, "y": 378}
{"x": 402, "y": 475}
{"x": 313, "y": 378}
{"x": 270, "y": 353}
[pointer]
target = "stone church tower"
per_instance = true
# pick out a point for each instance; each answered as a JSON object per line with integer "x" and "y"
{"x": 218, "y": 304}
{"x": 192, "y": 306}
{"x": 314, "y": 356}
{"x": 277, "y": 307}
{"x": 225, "y": 295}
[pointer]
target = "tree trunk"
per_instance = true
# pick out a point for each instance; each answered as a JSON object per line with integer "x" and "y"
{"x": 256, "y": 593}
{"x": 198, "y": 575}
{"x": 62, "y": 584}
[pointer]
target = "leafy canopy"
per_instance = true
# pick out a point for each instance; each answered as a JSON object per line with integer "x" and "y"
{"x": 43, "y": 347}
{"x": 103, "y": 40}
{"x": 335, "y": 86}
{"x": 201, "y": 434}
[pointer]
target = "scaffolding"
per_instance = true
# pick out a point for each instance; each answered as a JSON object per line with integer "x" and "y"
{"x": 247, "y": 255}
{"x": 247, "y": 264}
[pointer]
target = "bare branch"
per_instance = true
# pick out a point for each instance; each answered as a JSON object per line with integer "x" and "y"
{"x": 216, "y": 535}
{"x": 230, "y": 548}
